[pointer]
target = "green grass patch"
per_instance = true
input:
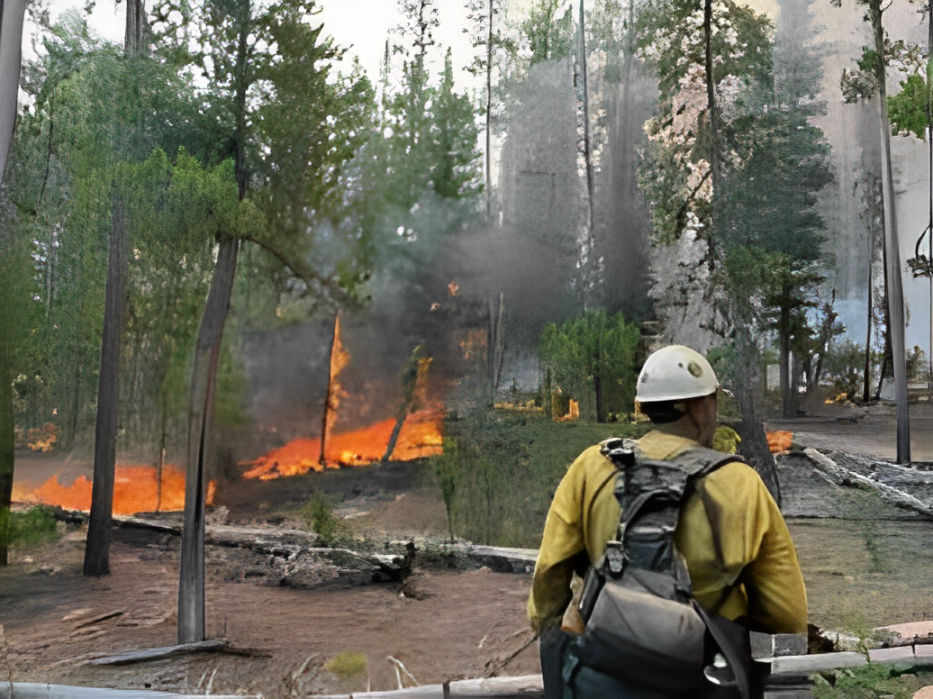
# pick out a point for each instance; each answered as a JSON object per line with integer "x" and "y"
{"x": 500, "y": 469}
{"x": 347, "y": 665}
{"x": 30, "y": 528}
{"x": 875, "y": 681}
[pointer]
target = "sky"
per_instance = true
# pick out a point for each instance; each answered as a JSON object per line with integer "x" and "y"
{"x": 361, "y": 26}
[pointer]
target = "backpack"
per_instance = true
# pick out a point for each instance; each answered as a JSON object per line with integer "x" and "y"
{"x": 644, "y": 630}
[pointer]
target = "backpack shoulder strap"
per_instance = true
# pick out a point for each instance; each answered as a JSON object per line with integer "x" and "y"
{"x": 700, "y": 461}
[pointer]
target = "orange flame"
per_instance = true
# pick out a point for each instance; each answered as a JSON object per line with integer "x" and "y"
{"x": 136, "y": 489}
{"x": 779, "y": 441}
{"x": 421, "y": 436}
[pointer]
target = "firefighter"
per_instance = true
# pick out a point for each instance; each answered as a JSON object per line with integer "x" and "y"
{"x": 739, "y": 553}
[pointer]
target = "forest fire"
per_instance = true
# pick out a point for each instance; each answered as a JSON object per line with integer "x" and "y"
{"x": 136, "y": 489}
{"x": 421, "y": 436}
{"x": 779, "y": 440}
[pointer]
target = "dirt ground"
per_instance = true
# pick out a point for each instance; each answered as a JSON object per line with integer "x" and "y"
{"x": 440, "y": 624}
{"x": 862, "y": 570}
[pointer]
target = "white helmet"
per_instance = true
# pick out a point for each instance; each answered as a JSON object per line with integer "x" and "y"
{"x": 675, "y": 373}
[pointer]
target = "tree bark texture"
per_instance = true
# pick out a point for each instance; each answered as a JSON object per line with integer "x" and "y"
{"x": 785, "y": 359}
{"x": 754, "y": 440}
{"x": 7, "y": 439}
{"x": 409, "y": 384}
{"x": 489, "y": 39}
{"x": 207, "y": 352}
{"x": 135, "y": 27}
{"x": 895, "y": 286}
{"x": 866, "y": 389}
{"x": 97, "y": 550}
{"x": 12, "y": 14}
{"x": 495, "y": 350}
{"x": 330, "y": 406}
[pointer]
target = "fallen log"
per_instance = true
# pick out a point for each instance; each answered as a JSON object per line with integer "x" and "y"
{"x": 150, "y": 654}
{"x": 503, "y": 560}
{"x": 843, "y": 476}
{"x": 490, "y": 688}
{"x": 35, "y": 690}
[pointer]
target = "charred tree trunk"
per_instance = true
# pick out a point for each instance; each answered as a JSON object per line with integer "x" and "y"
{"x": 586, "y": 128}
{"x": 786, "y": 408}
{"x": 329, "y": 406}
{"x": 409, "y": 384}
{"x": 97, "y": 550}
{"x": 495, "y": 350}
{"x": 894, "y": 285}
{"x": 866, "y": 390}
{"x": 191, "y": 627}
{"x": 754, "y": 440}
{"x": 204, "y": 372}
{"x": 712, "y": 115}
{"x": 7, "y": 437}
{"x": 12, "y": 13}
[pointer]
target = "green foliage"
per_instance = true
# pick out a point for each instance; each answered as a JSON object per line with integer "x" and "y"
{"x": 447, "y": 471}
{"x": 908, "y": 109}
{"x": 873, "y": 681}
{"x": 594, "y": 351}
{"x": 503, "y": 469}
{"x": 319, "y": 515}
{"x": 30, "y": 528}
{"x": 549, "y": 37}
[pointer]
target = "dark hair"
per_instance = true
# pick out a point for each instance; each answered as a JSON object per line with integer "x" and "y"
{"x": 661, "y": 412}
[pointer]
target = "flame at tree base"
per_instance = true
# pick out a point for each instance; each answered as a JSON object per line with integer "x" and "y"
{"x": 136, "y": 489}
{"x": 420, "y": 437}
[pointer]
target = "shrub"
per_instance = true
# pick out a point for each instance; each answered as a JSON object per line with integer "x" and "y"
{"x": 319, "y": 515}
{"x": 31, "y": 528}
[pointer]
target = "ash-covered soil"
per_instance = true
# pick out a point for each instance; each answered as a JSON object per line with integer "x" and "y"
{"x": 440, "y": 624}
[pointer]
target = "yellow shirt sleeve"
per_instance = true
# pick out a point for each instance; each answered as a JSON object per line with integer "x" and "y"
{"x": 562, "y": 540}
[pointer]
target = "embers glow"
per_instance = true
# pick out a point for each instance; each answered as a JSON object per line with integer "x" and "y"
{"x": 421, "y": 436}
{"x": 779, "y": 441}
{"x": 136, "y": 489}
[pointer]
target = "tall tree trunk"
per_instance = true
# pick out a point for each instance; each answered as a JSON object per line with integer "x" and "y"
{"x": 866, "y": 389}
{"x": 191, "y": 627}
{"x": 712, "y": 115}
{"x": 12, "y": 13}
{"x": 754, "y": 440}
{"x": 495, "y": 348}
{"x": 330, "y": 408}
{"x": 135, "y": 27}
{"x": 97, "y": 549}
{"x": 7, "y": 437}
{"x": 411, "y": 372}
{"x": 586, "y": 127}
{"x": 895, "y": 286}
{"x": 785, "y": 357}
{"x": 204, "y": 372}
{"x": 489, "y": 39}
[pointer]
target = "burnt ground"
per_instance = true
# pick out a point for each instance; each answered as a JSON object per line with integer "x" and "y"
{"x": 865, "y": 561}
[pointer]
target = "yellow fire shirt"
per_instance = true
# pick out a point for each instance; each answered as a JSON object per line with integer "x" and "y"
{"x": 746, "y": 542}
